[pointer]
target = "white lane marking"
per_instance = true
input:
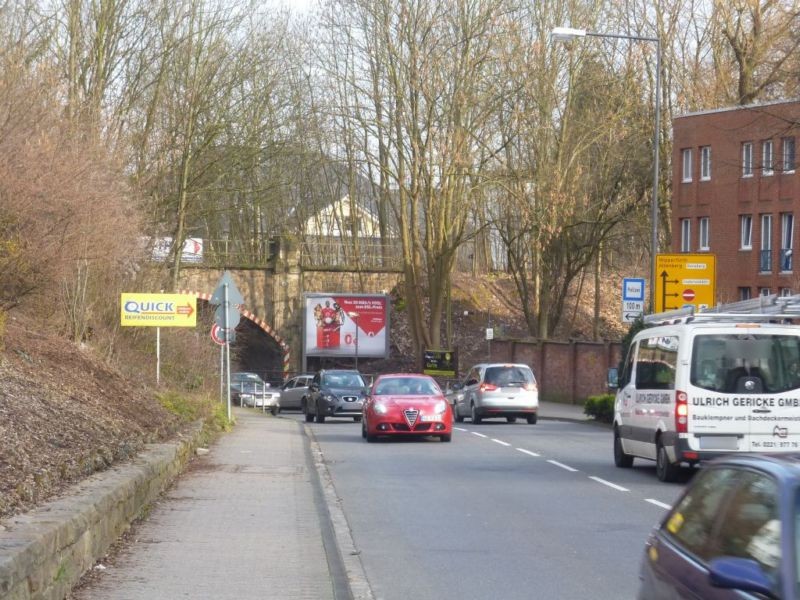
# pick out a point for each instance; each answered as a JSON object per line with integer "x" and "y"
{"x": 609, "y": 484}
{"x": 657, "y": 503}
{"x": 460, "y": 429}
{"x": 479, "y": 434}
{"x": 501, "y": 442}
{"x": 528, "y": 452}
{"x": 563, "y": 466}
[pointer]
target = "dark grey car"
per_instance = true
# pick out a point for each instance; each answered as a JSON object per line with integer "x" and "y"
{"x": 335, "y": 393}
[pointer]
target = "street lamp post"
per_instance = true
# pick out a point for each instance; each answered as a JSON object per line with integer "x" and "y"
{"x": 562, "y": 34}
{"x": 354, "y": 315}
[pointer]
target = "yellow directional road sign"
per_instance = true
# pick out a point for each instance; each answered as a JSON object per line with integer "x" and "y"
{"x": 158, "y": 310}
{"x": 684, "y": 279}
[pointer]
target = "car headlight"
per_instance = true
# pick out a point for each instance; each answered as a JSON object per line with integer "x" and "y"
{"x": 329, "y": 397}
{"x": 381, "y": 409}
{"x": 440, "y": 407}
{"x": 247, "y": 396}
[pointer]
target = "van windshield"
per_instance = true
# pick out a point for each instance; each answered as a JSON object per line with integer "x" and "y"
{"x": 746, "y": 363}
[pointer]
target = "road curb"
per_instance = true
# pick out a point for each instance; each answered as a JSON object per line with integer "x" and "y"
{"x": 354, "y": 569}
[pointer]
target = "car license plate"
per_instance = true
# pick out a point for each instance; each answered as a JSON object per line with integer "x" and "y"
{"x": 428, "y": 418}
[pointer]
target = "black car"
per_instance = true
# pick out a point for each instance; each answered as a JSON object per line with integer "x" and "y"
{"x": 335, "y": 393}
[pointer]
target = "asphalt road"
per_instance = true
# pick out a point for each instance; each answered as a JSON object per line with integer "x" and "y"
{"x": 503, "y": 511}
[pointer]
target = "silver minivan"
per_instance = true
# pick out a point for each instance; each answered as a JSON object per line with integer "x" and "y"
{"x": 497, "y": 390}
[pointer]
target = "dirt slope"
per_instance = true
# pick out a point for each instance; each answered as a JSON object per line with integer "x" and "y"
{"x": 64, "y": 414}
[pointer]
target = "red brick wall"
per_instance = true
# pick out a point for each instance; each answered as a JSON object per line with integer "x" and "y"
{"x": 728, "y": 195}
{"x": 566, "y": 371}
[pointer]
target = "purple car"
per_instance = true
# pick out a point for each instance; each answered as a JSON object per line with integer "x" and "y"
{"x": 733, "y": 534}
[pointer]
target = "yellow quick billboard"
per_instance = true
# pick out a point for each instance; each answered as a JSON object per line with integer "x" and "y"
{"x": 158, "y": 310}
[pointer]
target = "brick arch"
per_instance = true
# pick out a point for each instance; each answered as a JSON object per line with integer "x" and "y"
{"x": 263, "y": 325}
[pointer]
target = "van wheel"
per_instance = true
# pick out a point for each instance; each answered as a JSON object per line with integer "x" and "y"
{"x": 511, "y": 419}
{"x": 274, "y": 410}
{"x": 666, "y": 471}
{"x": 532, "y": 419}
{"x": 475, "y": 417}
{"x": 622, "y": 460}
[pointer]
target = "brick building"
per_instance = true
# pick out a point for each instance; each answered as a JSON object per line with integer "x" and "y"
{"x": 736, "y": 193}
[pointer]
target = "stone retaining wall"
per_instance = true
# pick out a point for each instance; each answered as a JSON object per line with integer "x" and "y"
{"x": 44, "y": 553}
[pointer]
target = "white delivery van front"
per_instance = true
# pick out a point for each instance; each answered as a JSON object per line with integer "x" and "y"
{"x": 743, "y": 389}
{"x": 693, "y": 391}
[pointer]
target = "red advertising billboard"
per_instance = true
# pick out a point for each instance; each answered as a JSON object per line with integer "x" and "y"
{"x": 346, "y": 325}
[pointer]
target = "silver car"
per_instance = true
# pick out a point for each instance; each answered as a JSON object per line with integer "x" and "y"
{"x": 294, "y": 390}
{"x": 497, "y": 390}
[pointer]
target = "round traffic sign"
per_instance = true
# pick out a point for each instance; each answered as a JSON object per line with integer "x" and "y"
{"x": 688, "y": 295}
{"x": 218, "y": 334}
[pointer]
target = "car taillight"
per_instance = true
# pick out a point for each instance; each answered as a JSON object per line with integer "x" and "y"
{"x": 487, "y": 387}
{"x": 681, "y": 412}
{"x": 531, "y": 387}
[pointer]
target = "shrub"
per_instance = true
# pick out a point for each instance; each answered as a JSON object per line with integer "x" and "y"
{"x": 600, "y": 408}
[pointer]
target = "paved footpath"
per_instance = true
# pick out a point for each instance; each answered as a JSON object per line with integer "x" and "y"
{"x": 245, "y": 521}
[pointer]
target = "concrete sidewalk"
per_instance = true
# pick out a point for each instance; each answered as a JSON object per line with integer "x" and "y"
{"x": 248, "y": 520}
{"x": 562, "y": 412}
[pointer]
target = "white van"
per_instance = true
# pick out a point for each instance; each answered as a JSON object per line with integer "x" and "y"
{"x": 705, "y": 386}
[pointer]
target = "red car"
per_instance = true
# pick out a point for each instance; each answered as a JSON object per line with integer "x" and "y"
{"x": 406, "y": 404}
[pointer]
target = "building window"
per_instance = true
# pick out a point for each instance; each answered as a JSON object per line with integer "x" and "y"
{"x": 785, "y": 292}
{"x": 746, "y": 239}
{"x": 687, "y": 165}
{"x": 744, "y": 293}
{"x": 767, "y": 158}
{"x": 788, "y": 154}
{"x": 787, "y": 235}
{"x": 704, "y": 241}
{"x": 705, "y": 163}
{"x": 747, "y": 159}
{"x": 764, "y": 291}
{"x": 686, "y": 235}
{"x": 765, "y": 264}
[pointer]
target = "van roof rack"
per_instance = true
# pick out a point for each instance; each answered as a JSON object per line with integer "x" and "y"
{"x": 772, "y": 307}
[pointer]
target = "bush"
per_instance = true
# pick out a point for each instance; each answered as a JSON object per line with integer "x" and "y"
{"x": 600, "y": 408}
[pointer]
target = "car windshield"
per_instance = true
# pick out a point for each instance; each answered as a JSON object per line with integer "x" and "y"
{"x": 725, "y": 362}
{"x": 245, "y": 377}
{"x": 508, "y": 375}
{"x": 406, "y": 386}
{"x": 343, "y": 380}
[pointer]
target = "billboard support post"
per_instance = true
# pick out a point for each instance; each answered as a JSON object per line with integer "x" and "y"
{"x": 158, "y": 355}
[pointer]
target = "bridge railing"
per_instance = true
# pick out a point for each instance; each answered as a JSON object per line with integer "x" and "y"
{"x": 325, "y": 253}
{"x": 237, "y": 253}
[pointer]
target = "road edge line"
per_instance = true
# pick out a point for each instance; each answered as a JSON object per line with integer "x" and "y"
{"x": 358, "y": 583}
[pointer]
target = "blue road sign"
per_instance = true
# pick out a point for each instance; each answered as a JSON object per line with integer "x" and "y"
{"x": 632, "y": 289}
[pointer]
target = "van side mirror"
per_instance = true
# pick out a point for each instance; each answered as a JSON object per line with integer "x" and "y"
{"x": 613, "y": 378}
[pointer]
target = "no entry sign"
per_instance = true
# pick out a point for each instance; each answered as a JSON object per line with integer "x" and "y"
{"x": 688, "y": 295}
